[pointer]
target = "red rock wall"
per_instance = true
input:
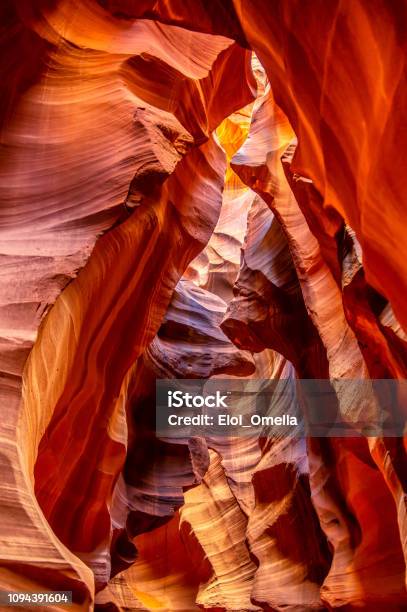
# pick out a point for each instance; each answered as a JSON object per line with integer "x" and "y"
{"x": 173, "y": 208}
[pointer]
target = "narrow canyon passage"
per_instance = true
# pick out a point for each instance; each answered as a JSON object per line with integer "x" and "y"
{"x": 201, "y": 190}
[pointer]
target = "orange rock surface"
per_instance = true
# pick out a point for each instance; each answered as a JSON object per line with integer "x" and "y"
{"x": 200, "y": 190}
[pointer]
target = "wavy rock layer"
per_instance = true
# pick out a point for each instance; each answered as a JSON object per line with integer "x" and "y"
{"x": 343, "y": 142}
{"x": 261, "y": 162}
{"x": 173, "y": 208}
{"x": 89, "y": 146}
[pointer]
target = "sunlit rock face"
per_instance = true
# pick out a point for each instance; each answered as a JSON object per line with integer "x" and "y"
{"x": 199, "y": 190}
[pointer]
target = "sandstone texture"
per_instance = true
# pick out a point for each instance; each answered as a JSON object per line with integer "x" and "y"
{"x": 201, "y": 189}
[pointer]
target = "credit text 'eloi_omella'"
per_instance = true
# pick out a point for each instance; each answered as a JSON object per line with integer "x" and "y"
{"x": 179, "y": 399}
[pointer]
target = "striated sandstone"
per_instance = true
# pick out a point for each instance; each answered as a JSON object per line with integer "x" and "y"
{"x": 199, "y": 190}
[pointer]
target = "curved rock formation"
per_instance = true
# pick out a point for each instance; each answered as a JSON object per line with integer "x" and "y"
{"x": 307, "y": 51}
{"x": 133, "y": 145}
{"x": 200, "y": 190}
{"x": 260, "y": 162}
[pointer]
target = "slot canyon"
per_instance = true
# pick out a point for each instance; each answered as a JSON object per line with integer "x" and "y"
{"x": 200, "y": 189}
